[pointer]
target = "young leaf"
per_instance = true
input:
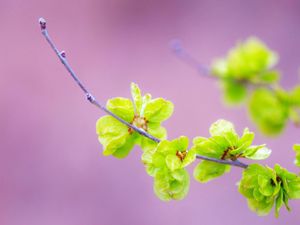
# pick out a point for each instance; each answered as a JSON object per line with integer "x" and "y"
{"x": 137, "y": 97}
{"x": 234, "y": 91}
{"x": 171, "y": 185}
{"x": 221, "y": 127}
{"x": 297, "y": 150}
{"x": 268, "y": 112}
{"x": 158, "y": 110}
{"x": 206, "y": 171}
{"x": 248, "y": 62}
{"x": 263, "y": 187}
{"x": 173, "y": 154}
{"x": 257, "y": 152}
{"x": 224, "y": 144}
{"x": 144, "y": 113}
{"x": 114, "y": 135}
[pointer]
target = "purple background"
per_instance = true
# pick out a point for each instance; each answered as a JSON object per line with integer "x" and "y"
{"x": 51, "y": 167}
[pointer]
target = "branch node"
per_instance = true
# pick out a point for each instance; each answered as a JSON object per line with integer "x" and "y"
{"x": 90, "y": 97}
{"x": 63, "y": 54}
{"x": 43, "y": 23}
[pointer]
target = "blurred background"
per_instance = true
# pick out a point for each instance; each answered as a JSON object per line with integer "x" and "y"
{"x": 51, "y": 166}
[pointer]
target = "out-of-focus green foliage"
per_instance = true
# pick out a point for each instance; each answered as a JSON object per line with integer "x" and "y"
{"x": 248, "y": 69}
{"x": 267, "y": 111}
{"x": 297, "y": 150}
{"x": 143, "y": 112}
{"x": 225, "y": 144}
{"x": 248, "y": 63}
{"x": 271, "y": 109}
{"x": 265, "y": 187}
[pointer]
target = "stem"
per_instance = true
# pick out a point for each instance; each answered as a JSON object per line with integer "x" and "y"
{"x": 232, "y": 163}
{"x": 62, "y": 56}
{"x": 189, "y": 59}
{"x": 186, "y": 57}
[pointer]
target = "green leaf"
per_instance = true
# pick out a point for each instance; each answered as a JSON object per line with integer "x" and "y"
{"x": 123, "y": 150}
{"x": 173, "y": 162}
{"x": 146, "y": 98}
{"x": 295, "y": 96}
{"x": 122, "y": 107}
{"x": 269, "y": 76}
{"x": 234, "y": 91}
{"x": 263, "y": 187}
{"x": 208, "y": 148}
{"x": 189, "y": 158}
{"x": 220, "y": 127}
{"x": 162, "y": 185}
{"x": 294, "y": 188}
{"x": 262, "y": 208}
{"x": 136, "y": 96}
{"x": 257, "y": 152}
{"x": 297, "y": 150}
{"x": 147, "y": 156}
{"x": 246, "y": 61}
{"x": 206, "y": 171}
{"x": 158, "y": 110}
{"x": 171, "y": 185}
{"x": 268, "y": 112}
{"x": 165, "y": 147}
{"x": 227, "y": 145}
{"x": 113, "y": 144}
{"x": 199, "y": 140}
{"x": 252, "y": 56}
{"x": 219, "y": 68}
{"x": 175, "y": 153}
{"x": 181, "y": 143}
{"x": 244, "y": 142}
{"x": 114, "y": 137}
{"x": 294, "y": 116}
{"x": 232, "y": 138}
{"x": 180, "y": 187}
{"x": 155, "y": 130}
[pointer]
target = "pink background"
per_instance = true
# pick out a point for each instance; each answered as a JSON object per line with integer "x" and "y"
{"x": 51, "y": 167}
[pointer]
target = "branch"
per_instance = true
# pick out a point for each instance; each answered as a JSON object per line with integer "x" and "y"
{"x": 232, "y": 163}
{"x": 203, "y": 70}
{"x": 62, "y": 56}
{"x": 186, "y": 57}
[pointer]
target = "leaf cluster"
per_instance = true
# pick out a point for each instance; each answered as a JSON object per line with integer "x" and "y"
{"x": 265, "y": 188}
{"x": 143, "y": 112}
{"x": 247, "y": 74}
{"x": 167, "y": 160}
{"x": 225, "y": 144}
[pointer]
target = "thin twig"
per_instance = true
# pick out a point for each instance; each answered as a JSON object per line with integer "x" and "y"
{"x": 62, "y": 56}
{"x": 232, "y": 163}
{"x": 189, "y": 59}
{"x": 203, "y": 70}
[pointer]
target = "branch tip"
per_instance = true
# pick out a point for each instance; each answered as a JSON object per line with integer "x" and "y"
{"x": 42, "y": 23}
